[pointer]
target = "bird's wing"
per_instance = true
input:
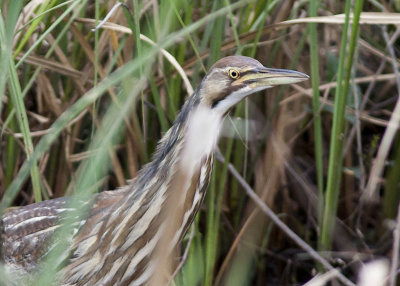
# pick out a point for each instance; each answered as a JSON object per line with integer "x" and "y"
{"x": 25, "y": 233}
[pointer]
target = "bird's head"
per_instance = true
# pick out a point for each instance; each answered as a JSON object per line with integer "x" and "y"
{"x": 233, "y": 78}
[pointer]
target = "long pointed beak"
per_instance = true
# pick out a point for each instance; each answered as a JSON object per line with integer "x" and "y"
{"x": 266, "y": 77}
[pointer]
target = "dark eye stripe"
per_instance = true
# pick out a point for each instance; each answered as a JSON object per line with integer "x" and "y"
{"x": 215, "y": 102}
{"x": 224, "y": 94}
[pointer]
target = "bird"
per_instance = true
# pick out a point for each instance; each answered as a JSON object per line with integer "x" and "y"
{"x": 130, "y": 233}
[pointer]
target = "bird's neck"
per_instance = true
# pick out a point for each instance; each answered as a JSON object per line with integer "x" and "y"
{"x": 186, "y": 144}
{"x": 160, "y": 204}
{"x": 172, "y": 187}
{"x": 179, "y": 172}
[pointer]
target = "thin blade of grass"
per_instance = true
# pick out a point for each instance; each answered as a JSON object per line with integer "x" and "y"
{"x": 214, "y": 201}
{"x": 318, "y": 147}
{"x": 6, "y": 39}
{"x": 32, "y": 27}
{"x": 51, "y": 28}
{"x": 22, "y": 118}
{"x": 371, "y": 18}
{"x": 337, "y": 135}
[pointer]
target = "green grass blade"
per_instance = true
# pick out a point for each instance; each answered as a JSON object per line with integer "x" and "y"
{"x": 337, "y": 136}
{"x": 22, "y": 118}
{"x": 32, "y": 27}
{"x": 6, "y": 39}
{"x": 11, "y": 151}
{"x": 160, "y": 111}
{"x": 391, "y": 195}
{"x": 214, "y": 202}
{"x": 51, "y": 28}
{"x": 316, "y": 109}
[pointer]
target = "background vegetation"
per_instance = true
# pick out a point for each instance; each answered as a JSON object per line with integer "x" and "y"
{"x": 82, "y": 111}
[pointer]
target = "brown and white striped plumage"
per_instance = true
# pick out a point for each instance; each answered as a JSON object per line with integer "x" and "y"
{"x": 130, "y": 233}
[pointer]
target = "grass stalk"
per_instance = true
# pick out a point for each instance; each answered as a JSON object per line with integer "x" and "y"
{"x": 214, "y": 201}
{"x": 318, "y": 147}
{"x": 51, "y": 28}
{"x": 11, "y": 149}
{"x": 337, "y": 135}
{"x": 391, "y": 195}
{"x": 22, "y": 118}
{"x": 7, "y": 28}
{"x": 33, "y": 26}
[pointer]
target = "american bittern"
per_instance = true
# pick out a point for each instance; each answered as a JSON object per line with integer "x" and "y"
{"x": 115, "y": 244}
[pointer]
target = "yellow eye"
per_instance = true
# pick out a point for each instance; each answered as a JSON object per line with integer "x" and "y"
{"x": 233, "y": 73}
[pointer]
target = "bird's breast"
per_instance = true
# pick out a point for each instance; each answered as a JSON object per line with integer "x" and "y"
{"x": 201, "y": 136}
